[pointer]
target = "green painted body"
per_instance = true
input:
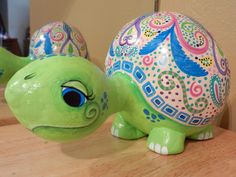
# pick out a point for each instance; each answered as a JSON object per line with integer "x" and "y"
{"x": 10, "y": 64}
{"x": 133, "y": 106}
{"x": 34, "y": 94}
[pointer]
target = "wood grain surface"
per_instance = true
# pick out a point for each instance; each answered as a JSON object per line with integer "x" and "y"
{"x": 6, "y": 117}
{"x": 25, "y": 155}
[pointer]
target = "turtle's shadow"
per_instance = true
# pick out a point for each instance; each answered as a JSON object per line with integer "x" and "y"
{"x": 99, "y": 144}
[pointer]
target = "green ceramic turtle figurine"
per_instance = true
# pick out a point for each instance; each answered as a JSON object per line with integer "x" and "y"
{"x": 56, "y": 38}
{"x": 165, "y": 78}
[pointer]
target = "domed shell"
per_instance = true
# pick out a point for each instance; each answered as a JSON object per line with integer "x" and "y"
{"x": 178, "y": 67}
{"x": 57, "y": 38}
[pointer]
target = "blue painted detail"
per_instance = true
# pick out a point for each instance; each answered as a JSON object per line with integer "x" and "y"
{"x": 116, "y": 66}
{"x": 153, "y": 44}
{"x": 146, "y": 112}
{"x": 109, "y": 71}
{"x": 139, "y": 74}
{"x": 152, "y": 120}
{"x": 184, "y": 63}
{"x": 205, "y": 121}
{"x": 111, "y": 51}
{"x": 127, "y": 66}
{"x": 160, "y": 116}
{"x": 195, "y": 121}
{"x": 38, "y": 44}
{"x": 153, "y": 116}
{"x": 148, "y": 89}
{"x": 47, "y": 44}
{"x": 184, "y": 117}
{"x": 150, "y": 116}
{"x": 169, "y": 110}
{"x": 157, "y": 101}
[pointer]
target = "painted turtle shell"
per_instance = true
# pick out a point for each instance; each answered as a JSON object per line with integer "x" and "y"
{"x": 176, "y": 64}
{"x": 57, "y": 38}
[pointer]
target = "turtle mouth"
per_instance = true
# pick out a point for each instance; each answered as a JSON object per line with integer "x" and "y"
{"x": 59, "y": 134}
{"x": 56, "y": 128}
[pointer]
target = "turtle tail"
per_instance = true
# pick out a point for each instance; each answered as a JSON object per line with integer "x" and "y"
{"x": 10, "y": 64}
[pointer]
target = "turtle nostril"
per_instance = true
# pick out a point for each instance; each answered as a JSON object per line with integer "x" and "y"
{"x": 30, "y": 76}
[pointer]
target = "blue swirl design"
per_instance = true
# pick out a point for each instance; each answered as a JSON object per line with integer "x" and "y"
{"x": 153, "y": 44}
{"x": 184, "y": 63}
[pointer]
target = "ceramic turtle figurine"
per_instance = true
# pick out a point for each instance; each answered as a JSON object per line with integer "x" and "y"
{"x": 56, "y": 38}
{"x": 166, "y": 78}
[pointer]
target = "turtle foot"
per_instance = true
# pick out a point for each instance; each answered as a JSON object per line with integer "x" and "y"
{"x": 122, "y": 129}
{"x": 166, "y": 141}
{"x": 203, "y": 135}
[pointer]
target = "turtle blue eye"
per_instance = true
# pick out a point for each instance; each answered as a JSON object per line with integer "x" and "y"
{"x": 73, "y": 97}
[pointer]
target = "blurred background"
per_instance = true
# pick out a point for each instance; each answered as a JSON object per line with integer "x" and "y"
{"x": 99, "y": 21}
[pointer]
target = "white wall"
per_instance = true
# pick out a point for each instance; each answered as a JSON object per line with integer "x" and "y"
{"x": 18, "y": 19}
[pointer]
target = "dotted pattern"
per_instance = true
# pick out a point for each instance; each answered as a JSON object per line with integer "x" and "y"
{"x": 153, "y": 117}
{"x": 143, "y": 50}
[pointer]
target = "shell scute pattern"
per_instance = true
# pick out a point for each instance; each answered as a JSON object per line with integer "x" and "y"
{"x": 57, "y": 38}
{"x": 176, "y": 64}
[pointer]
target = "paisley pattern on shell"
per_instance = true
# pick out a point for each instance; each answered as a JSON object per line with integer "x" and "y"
{"x": 206, "y": 61}
{"x": 57, "y": 38}
{"x": 176, "y": 64}
{"x": 215, "y": 88}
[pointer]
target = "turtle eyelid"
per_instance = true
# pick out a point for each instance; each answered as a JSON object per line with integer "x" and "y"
{"x": 77, "y": 85}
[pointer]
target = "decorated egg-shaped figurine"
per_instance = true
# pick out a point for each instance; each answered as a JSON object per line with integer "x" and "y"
{"x": 165, "y": 78}
{"x": 57, "y": 38}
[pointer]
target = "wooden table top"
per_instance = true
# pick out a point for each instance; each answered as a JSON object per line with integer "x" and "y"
{"x": 25, "y": 155}
{"x": 6, "y": 116}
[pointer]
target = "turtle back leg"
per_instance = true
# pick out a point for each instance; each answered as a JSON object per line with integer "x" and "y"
{"x": 122, "y": 129}
{"x": 166, "y": 141}
{"x": 205, "y": 134}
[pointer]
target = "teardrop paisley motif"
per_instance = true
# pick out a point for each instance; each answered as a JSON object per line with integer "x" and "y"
{"x": 131, "y": 33}
{"x": 215, "y": 89}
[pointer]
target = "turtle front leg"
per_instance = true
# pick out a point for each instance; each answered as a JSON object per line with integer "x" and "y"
{"x": 122, "y": 129}
{"x": 206, "y": 134}
{"x": 166, "y": 141}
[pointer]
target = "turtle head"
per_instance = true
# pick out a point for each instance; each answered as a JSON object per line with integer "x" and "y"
{"x": 59, "y": 98}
